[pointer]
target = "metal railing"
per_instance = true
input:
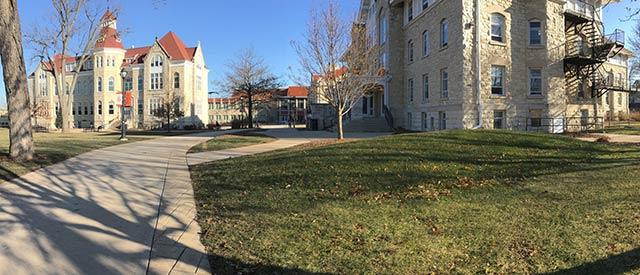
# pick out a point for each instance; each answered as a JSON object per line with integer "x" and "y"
{"x": 617, "y": 37}
{"x": 558, "y": 125}
{"x": 580, "y": 7}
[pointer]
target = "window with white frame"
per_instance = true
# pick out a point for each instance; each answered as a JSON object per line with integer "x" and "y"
{"x": 444, "y": 83}
{"x": 497, "y": 27}
{"x": 383, "y": 28}
{"x": 444, "y": 33}
{"x": 112, "y": 85}
{"x": 156, "y": 81}
{"x": 157, "y": 61}
{"x": 410, "y": 50}
{"x": 535, "y": 81}
{"x": 497, "y": 80}
{"x": 424, "y": 121}
{"x": 410, "y": 89}
{"x": 176, "y": 81}
{"x": 498, "y": 119}
{"x": 425, "y": 87}
{"x": 425, "y": 43}
{"x": 535, "y": 33}
{"x": 425, "y": 4}
{"x": 128, "y": 84}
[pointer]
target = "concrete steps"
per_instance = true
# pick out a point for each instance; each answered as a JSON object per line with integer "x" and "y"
{"x": 374, "y": 124}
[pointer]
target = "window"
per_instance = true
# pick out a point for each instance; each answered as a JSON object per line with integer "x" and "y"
{"x": 425, "y": 4}
{"x": 409, "y": 11}
{"x": 442, "y": 120}
{"x": 424, "y": 121}
{"x": 582, "y": 83}
{"x": 86, "y": 110}
{"x": 156, "y": 81}
{"x": 425, "y": 88}
{"x": 140, "y": 107}
{"x": 156, "y": 61}
{"x": 91, "y": 110}
{"x": 444, "y": 33}
{"x": 410, "y": 88}
{"x": 140, "y": 82}
{"x": 409, "y": 120}
{"x": 425, "y": 43}
{"x": 99, "y": 84}
{"x": 383, "y": 28}
{"x": 113, "y": 61}
{"x": 198, "y": 83}
{"x": 535, "y": 81}
{"x": 176, "y": 81}
{"x": 128, "y": 84}
{"x": 497, "y": 80}
{"x": 619, "y": 98}
{"x": 111, "y": 108}
{"x": 498, "y": 119}
{"x": 444, "y": 83}
{"x": 73, "y": 110}
{"x": 497, "y": 27}
{"x": 410, "y": 50}
{"x": 535, "y": 32}
{"x": 99, "y": 107}
{"x": 536, "y": 117}
{"x": 112, "y": 85}
{"x": 384, "y": 60}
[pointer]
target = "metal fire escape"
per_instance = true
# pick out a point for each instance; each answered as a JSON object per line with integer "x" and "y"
{"x": 588, "y": 48}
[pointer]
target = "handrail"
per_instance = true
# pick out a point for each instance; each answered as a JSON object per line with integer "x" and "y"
{"x": 580, "y": 7}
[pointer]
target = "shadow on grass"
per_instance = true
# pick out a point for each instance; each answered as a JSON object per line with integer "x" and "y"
{"x": 614, "y": 264}
{"x": 222, "y": 265}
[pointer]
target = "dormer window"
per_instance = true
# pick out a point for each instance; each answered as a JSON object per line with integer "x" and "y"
{"x": 156, "y": 61}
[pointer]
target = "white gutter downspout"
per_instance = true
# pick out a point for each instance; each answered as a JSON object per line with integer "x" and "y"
{"x": 478, "y": 65}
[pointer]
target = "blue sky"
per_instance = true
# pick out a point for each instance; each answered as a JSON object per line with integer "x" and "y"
{"x": 226, "y": 27}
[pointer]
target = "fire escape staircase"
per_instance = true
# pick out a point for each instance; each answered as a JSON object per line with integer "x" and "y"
{"x": 587, "y": 48}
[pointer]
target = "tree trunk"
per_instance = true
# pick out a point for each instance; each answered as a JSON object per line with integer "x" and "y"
{"x": 15, "y": 79}
{"x": 250, "y": 111}
{"x": 340, "y": 129}
{"x": 169, "y": 123}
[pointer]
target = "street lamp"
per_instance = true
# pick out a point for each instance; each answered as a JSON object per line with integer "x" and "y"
{"x": 123, "y": 131}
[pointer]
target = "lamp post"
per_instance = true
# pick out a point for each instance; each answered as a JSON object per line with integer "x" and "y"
{"x": 123, "y": 131}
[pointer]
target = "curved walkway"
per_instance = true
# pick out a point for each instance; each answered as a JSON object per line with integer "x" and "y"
{"x": 126, "y": 209}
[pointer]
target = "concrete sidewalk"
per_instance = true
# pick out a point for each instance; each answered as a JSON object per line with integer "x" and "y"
{"x": 613, "y": 138}
{"x": 101, "y": 213}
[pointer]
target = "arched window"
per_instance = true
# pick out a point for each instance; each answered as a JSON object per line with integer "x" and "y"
{"x": 112, "y": 85}
{"x": 156, "y": 61}
{"x": 99, "y": 84}
{"x": 444, "y": 33}
{"x": 176, "y": 81}
{"x": 497, "y": 27}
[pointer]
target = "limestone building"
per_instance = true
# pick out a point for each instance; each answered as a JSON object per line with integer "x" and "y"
{"x": 167, "y": 65}
{"x": 542, "y": 65}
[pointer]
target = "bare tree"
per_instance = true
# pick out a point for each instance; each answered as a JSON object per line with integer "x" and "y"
{"x": 249, "y": 78}
{"x": 339, "y": 57}
{"x": 69, "y": 37}
{"x": 634, "y": 66}
{"x": 169, "y": 110}
{"x": 15, "y": 79}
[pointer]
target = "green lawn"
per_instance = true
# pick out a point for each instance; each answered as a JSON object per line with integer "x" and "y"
{"x": 231, "y": 141}
{"x": 52, "y": 148}
{"x": 451, "y": 202}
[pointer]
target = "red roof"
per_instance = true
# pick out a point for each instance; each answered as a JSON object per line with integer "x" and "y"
{"x": 338, "y": 72}
{"x": 108, "y": 15}
{"x": 57, "y": 59}
{"x": 109, "y": 38}
{"x": 225, "y": 100}
{"x": 175, "y": 47}
{"x": 297, "y": 91}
